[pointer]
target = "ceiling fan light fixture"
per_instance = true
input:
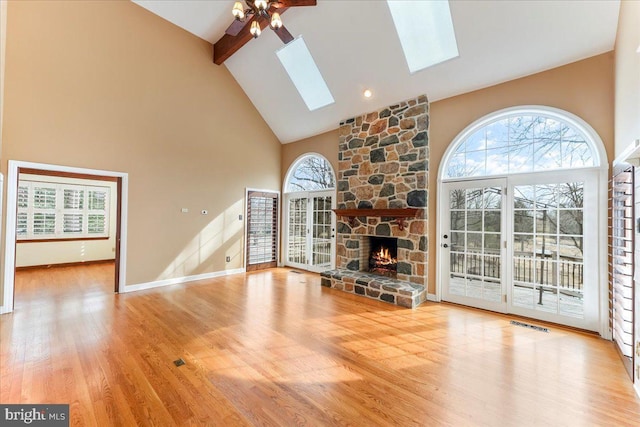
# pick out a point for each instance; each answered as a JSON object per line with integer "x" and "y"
{"x": 261, "y": 5}
{"x": 238, "y": 11}
{"x": 276, "y": 21}
{"x": 255, "y": 29}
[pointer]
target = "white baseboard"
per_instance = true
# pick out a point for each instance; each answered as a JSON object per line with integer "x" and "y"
{"x": 4, "y": 310}
{"x": 180, "y": 280}
{"x": 432, "y": 297}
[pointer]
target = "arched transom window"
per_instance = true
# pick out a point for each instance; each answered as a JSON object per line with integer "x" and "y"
{"x": 520, "y": 141}
{"x": 310, "y": 173}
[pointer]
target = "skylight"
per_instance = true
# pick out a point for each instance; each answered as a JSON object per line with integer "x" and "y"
{"x": 426, "y": 31}
{"x": 303, "y": 71}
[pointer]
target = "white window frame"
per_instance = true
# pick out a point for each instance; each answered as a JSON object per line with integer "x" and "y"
{"x": 58, "y": 211}
{"x": 296, "y": 163}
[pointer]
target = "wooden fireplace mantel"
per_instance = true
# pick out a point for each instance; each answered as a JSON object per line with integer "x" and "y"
{"x": 398, "y": 214}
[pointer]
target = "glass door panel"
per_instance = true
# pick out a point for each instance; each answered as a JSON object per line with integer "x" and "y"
{"x": 472, "y": 243}
{"x": 548, "y": 253}
{"x": 310, "y": 230}
{"x": 297, "y": 236}
{"x": 322, "y": 232}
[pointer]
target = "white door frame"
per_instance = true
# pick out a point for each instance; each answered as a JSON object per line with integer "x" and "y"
{"x": 11, "y": 212}
{"x": 309, "y": 195}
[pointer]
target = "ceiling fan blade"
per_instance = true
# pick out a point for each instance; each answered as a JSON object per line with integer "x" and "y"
{"x": 235, "y": 27}
{"x": 227, "y": 45}
{"x": 284, "y": 34}
{"x": 291, "y": 3}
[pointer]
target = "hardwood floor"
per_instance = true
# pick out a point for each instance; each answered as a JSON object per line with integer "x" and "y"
{"x": 276, "y": 348}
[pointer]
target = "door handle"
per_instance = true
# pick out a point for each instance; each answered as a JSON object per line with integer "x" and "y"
{"x": 444, "y": 245}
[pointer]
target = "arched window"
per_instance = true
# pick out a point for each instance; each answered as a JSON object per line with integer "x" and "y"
{"x": 310, "y": 172}
{"x": 522, "y": 217}
{"x": 309, "y": 231}
{"x": 521, "y": 140}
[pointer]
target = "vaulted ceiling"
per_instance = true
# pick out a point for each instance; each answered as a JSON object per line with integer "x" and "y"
{"x": 356, "y": 47}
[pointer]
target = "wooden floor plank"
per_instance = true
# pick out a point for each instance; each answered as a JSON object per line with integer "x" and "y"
{"x": 275, "y": 348}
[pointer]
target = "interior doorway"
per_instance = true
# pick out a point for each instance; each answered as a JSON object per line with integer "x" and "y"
{"x": 55, "y": 208}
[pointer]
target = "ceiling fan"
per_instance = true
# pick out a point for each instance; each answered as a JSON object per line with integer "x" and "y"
{"x": 250, "y": 21}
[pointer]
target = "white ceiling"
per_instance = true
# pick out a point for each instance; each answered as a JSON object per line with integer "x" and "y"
{"x": 355, "y": 46}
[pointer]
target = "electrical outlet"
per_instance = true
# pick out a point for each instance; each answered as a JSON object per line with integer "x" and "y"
{"x": 184, "y": 210}
{"x": 228, "y": 259}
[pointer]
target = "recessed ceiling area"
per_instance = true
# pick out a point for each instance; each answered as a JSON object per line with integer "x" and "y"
{"x": 356, "y": 47}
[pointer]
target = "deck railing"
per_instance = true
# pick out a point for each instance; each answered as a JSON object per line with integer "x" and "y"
{"x": 549, "y": 270}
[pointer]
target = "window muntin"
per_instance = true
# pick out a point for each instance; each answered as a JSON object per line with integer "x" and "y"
{"x": 520, "y": 143}
{"x": 309, "y": 174}
{"x": 61, "y": 211}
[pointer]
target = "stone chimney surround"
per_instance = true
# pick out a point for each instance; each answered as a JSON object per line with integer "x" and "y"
{"x": 382, "y": 191}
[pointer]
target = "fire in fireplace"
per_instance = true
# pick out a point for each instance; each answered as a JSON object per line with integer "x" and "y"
{"x": 383, "y": 256}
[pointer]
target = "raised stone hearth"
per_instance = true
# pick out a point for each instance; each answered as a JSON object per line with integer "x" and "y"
{"x": 375, "y": 286}
{"x": 383, "y": 165}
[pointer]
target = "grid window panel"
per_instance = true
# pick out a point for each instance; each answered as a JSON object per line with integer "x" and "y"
{"x": 67, "y": 211}
{"x": 97, "y": 200}
{"x": 44, "y": 224}
{"x": 22, "y": 224}
{"x": 23, "y": 197}
{"x": 73, "y": 199}
{"x": 44, "y": 198}
{"x": 97, "y": 223}
{"x": 475, "y": 263}
{"x": 72, "y": 223}
{"x": 549, "y": 259}
{"x": 297, "y": 244}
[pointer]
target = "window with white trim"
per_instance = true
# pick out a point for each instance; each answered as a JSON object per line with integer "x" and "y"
{"x": 61, "y": 211}
{"x": 310, "y": 173}
{"x": 520, "y": 143}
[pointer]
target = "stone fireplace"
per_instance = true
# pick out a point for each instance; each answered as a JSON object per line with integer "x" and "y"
{"x": 382, "y": 192}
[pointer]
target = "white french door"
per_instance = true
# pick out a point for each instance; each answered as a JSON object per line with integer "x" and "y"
{"x": 310, "y": 230}
{"x": 526, "y": 244}
{"x": 472, "y": 243}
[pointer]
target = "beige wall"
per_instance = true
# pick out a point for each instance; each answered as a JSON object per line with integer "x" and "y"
{"x": 584, "y": 88}
{"x": 108, "y": 85}
{"x": 3, "y": 45}
{"x": 627, "y": 76}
